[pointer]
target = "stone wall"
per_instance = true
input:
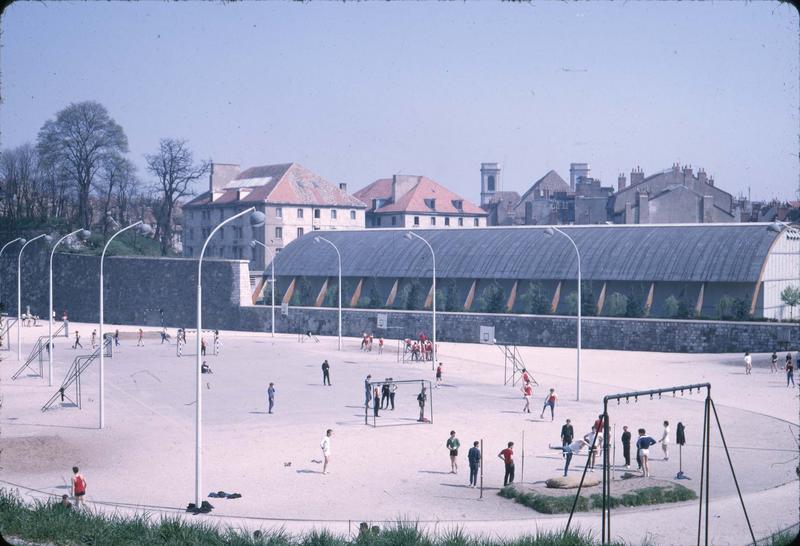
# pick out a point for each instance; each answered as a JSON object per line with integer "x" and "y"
{"x": 137, "y": 289}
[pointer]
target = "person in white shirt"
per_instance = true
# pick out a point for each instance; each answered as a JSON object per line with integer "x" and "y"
{"x": 597, "y": 449}
{"x": 325, "y": 445}
{"x": 748, "y": 363}
{"x": 665, "y": 441}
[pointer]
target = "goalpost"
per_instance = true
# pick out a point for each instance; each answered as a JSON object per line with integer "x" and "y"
{"x": 709, "y": 407}
{"x": 409, "y": 409}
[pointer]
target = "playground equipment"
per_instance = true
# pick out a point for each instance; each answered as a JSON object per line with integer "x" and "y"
{"x": 181, "y": 341}
{"x": 6, "y": 323}
{"x": 73, "y": 377}
{"x": 38, "y": 351}
{"x": 403, "y": 407}
{"x": 512, "y": 358}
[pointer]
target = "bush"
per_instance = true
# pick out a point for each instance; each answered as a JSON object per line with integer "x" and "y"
{"x": 534, "y": 300}
{"x": 730, "y": 308}
{"x": 492, "y": 299}
{"x": 616, "y": 305}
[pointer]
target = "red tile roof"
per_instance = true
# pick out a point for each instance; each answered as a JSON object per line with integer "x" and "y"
{"x": 414, "y": 200}
{"x": 287, "y": 183}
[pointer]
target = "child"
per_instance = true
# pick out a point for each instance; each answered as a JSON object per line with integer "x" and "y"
{"x": 527, "y": 392}
{"x": 643, "y": 448}
{"x": 438, "y": 375}
{"x": 665, "y": 441}
{"x": 748, "y": 363}
{"x": 78, "y": 487}
{"x": 550, "y": 401}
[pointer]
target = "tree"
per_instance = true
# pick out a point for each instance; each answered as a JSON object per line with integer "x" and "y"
{"x": 730, "y": 308}
{"x": 791, "y": 297}
{"x": 671, "y": 306}
{"x": 450, "y": 297}
{"x": 534, "y": 300}
{"x": 75, "y": 145}
{"x": 492, "y": 299}
{"x": 412, "y": 295}
{"x": 117, "y": 172}
{"x": 175, "y": 172}
{"x": 616, "y": 305}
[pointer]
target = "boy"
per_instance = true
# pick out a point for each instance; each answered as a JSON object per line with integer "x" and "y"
{"x": 78, "y": 487}
{"x": 507, "y": 455}
{"x": 325, "y": 445}
{"x": 474, "y": 458}
{"x": 550, "y": 401}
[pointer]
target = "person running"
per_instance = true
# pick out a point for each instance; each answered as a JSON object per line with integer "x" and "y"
{"x": 665, "y": 441}
{"x": 774, "y": 363}
{"x": 78, "y": 487}
{"x": 325, "y": 445}
{"x": 380, "y": 345}
{"x": 392, "y": 391}
{"x": 527, "y": 392}
{"x": 376, "y": 397}
{"x": 203, "y": 346}
{"x": 326, "y": 373}
{"x": 626, "y": 446}
{"x": 438, "y": 375}
{"x": 77, "y": 340}
{"x": 507, "y": 455}
{"x": 567, "y": 434}
{"x": 271, "y": 396}
{"x": 385, "y": 394}
{"x": 550, "y": 401}
{"x": 422, "y": 397}
{"x": 116, "y": 338}
{"x": 140, "y": 342}
{"x": 453, "y": 444}
{"x": 643, "y": 446}
{"x": 789, "y": 369}
{"x": 367, "y": 391}
{"x": 94, "y": 339}
{"x": 567, "y": 451}
{"x": 474, "y": 458}
{"x": 748, "y": 363}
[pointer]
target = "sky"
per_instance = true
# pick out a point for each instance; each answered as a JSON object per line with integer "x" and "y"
{"x": 363, "y": 90}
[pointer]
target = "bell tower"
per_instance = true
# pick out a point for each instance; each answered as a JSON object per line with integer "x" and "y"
{"x": 490, "y": 182}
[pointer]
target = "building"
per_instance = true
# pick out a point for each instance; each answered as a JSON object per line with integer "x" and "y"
{"x": 417, "y": 202}
{"x": 294, "y": 199}
{"x": 681, "y": 271}
{"x": 675, "y": 195}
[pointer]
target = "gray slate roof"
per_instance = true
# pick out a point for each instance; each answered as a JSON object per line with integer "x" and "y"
{"x": 697, "y": 253}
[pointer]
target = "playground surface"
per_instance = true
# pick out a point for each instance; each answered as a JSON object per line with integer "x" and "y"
{"x": 144, "y": 458}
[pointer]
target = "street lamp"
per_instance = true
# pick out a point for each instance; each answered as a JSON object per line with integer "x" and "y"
{"x": 144, "y": 229}
{"x": 409, "y": 235}
{"x": 549, "y": 232}
{"x": 47, "y": 238}
{"x": 83, "y": 234}
{"x": 317, "y": 239}
{"x": 257, "y": 219}
{"x": 253, "y": 244}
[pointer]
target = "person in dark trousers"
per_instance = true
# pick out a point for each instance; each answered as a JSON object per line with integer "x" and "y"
{"x": 326, "y": 373}
{"x": 367, "y": 392}
{"x": 392, "y": 391}
{"x": 203, "y": 346}
{"x": 474, "y": 458}
{"x": 567, "y": 434}
{"x": 78, "y": 341}
{"x": 626, "y": 446}
{"x": 116, "y": 338}
{"x": 422, "y": 398}
{"x": 507, "y": 455}
{"x": 385, "y": 394}
{"x": 789, "y": 369}
{"x": 376, "y": 397}
{"x": 271, "y": 396}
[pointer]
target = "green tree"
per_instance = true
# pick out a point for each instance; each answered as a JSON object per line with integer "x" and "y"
{"x": 587, "y": 295}
{"x": 450, "y": 296}
{"x": 616, "y": 305}
{"x": 373, "y": 298}
{"x": 412, "y": 295}
{"x": 791, "y": 297}
{"x": 534, "y": 300}
{"x": 492, "y": 299}
{"x": 635, "y": 307}
{"x": 302, "y": 292}
{"x": 671, "y": 306}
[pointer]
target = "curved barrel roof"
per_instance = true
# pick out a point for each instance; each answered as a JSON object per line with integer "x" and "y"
{"x": 700, "y": 253}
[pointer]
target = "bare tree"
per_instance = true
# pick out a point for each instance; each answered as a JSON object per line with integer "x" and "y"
{"x": 175, "y": 171}
{"x": 116, "y": 171}
{"x": 76, "y": 143}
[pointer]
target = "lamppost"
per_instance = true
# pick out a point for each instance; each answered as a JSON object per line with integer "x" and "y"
{"x": 83, "y": 234}
{"x": 11, "y": 242}
{"x": 409, "y": 235}
{"x": 257, "y": 219}
{"x": 549, "y": 232}
{"x": 317, "y": 239}
{"x": 253, "y": 244}
{"x": 47, "y": 238}
{"x": 144, "y": 229}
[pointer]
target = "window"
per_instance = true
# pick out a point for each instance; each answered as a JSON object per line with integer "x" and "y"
{"x": 491, "y": 183}
{"x": 447, "y": 221}
{"x": 237, "y": 232}
{"x": 206, "y": 215}
{"x": 333, "y": 214}
{"x": 279, "y": 212}
{"x": 460, "y": 222}
{"x": 299, "y": 232}
{"x": 430, "y": 203}
{"x": 394, "y": 220}
{"x": 416, "y": 220}
{"x": 352, "y": 215}
{"x": 476, "y": 222}
{"x": 299, "y": 213}
{"x": 279, "y": 233}
{"x": 205, "y": 232}
{"x": 316, "y": 213}
{"x": 458, "y": 204}
{"x": 191, "y": 233}
{"x": 237, "y": 252}
{"x": 221, "y": 215}
{"x": 222, "y": 232}
{"x": 433, "y": 220}
{"x": 221, "y": 251}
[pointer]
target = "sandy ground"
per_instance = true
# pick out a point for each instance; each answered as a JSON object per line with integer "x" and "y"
{"x": 145, "y": 455}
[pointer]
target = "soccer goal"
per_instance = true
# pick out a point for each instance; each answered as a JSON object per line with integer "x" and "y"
{"x": 405, "y": 402}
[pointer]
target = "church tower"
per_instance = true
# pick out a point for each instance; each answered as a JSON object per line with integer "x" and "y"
{"x": 490, "y": 182}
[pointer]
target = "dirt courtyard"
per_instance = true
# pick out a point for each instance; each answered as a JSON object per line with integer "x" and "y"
{"x": 401, "y": 469}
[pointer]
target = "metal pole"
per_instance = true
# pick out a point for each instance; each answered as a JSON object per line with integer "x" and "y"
{"x": 580, "y": 305}
{"x": 708, "y": 458}
{"x": 102, "y": 352}
{"x": 482, "y": 456}
{"x": 702, "y": 472}
{"x": 198, "y": 415}
{"x": 11, "y": 242}
{"x": 50, "y": 311}
{"x": 340, "y": 296}
{"x": 580, "y": 485}
{"x": 606, "y": 524}
{"x": 272, "y": 291}
{"x": 19, "y": 297}
{"x": 433, "y": 257}
{"x": 522, "y": 470}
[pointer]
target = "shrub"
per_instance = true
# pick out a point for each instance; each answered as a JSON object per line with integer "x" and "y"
{"x": 492, "y": 299}
{"x": 616, "y": 305}
{"x": 534, "y": 300}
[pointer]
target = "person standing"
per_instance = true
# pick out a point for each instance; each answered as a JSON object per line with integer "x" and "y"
{"x": 665, "y": 441}
{"x": 116, "y": 337}
{"x": 94, "y": 339}
{"x": 380, "y": 345}
{"x": 367, "y": 391}
{"x": 392, "y": 391}
{"x": 453, "y": 444}
{"x": 507, "y": 455}
{"x": 527, "y": 392}
{"x": 271, "y": 396}
{"x": 774, "y": 362}
{"x": 325, "y": 445}
{"x": 748, "y": 363}
{"x": 77, "y": 340}
{"x": 595, "y": 446}
{"x": 203, "y": 346}
{"x": 438, "y": 375}
{"x": 474, "y": 458}
{"x": 789, "y": 369}
{"x": 78, "y": 487}
{"x": 422, "y": 397}
{"x": 550, "y": 400}
{"x": 326, "y": 373}
{"x": 525, "y": 377}
{"x": 626, "y": 446}
{"x": 140, "y": 342}
{"x": 643, "y": 446}
{"x": 376, "y": 400}
{"x": 385, "y": 394}
{"x": 567, "y": 434}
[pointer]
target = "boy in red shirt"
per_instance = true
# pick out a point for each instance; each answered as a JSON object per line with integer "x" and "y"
{"x": 550, "y": 401}
{"x": 78, "y": 486}
{"x": 508, "y": 458}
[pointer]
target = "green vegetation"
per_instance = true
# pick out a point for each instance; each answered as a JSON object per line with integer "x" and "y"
{"x": 791, "y": 297}
{"x": 534, "y": 300}
{"x": 450, "y": 298}
{"x": 677, "y": 308}
{"x": 492, "y": 299}
{"x": 302, "y": 293}
{"x": 616, "y": 305}
{"x": 552, "y": 504}
{"x": 589, "y": 308}
{"x": 129, "y": 243}
{"x": 411, "y": 296}
{"x": 730, "y": 308}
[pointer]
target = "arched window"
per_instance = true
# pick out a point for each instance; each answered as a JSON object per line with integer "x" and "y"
{"x": 490, "y": 186}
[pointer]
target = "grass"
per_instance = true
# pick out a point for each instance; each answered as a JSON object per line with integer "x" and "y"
{"x": 552, "y": 504}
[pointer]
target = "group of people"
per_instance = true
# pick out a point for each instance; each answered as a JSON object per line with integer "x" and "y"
{"x": 420, "y": 350}
{"x": 788, "y": 365}
{"x": 367, "y": 342}
{"x": 473, "y": 457}
{"x": 381, "y": 395}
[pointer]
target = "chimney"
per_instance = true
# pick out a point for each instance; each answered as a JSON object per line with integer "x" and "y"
{"x": 343, "y": 186}
{"x": 621, "y": 182}
{"x": 402, "y": 184}
{"x": 643, "y": 206}
{"x": 702, "y": 177}
{"x": 707, "y": 216}
{"x": 637, "y": 176}
{"x": 687, "y": 172}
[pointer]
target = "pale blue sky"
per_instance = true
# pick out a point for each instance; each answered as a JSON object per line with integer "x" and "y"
{"x": 360, "y": 91}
